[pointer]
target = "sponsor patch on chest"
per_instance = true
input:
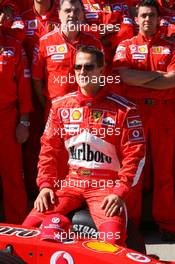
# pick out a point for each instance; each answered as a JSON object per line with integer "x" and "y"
{"x": 56, "y": 49}
{"x": 103, "y": 117}
{"x": 73, "y": 115}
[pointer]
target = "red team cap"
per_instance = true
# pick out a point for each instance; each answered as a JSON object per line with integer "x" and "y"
{"x": 55, "y": 227}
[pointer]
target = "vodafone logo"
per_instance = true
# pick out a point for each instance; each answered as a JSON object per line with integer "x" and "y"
{"x": 136, "y": 133}
{"x": 65, "y": 113}
{"x": 138, "y": 257}
{"x": 61, "y": 257}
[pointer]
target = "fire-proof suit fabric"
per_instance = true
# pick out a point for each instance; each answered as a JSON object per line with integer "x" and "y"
{"x": 103, "y": 136}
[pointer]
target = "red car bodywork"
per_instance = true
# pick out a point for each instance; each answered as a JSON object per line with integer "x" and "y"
{"x": 28, "y": 246}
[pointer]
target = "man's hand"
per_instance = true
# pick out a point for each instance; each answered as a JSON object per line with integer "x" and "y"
{"x": 112, "y": 204}
{"x": 6, "y": 17}
{"x": 45, "y": 197}
{"x": 2, "y": 18}
{"x": 22, "y": 133}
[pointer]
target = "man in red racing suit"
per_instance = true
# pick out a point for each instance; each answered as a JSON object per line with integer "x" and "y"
{"x": 103, "y": 135}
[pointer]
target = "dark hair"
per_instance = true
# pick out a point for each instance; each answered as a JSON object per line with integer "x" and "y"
{"x": 149, "y": 3}
{"x": 94, "y": 51}
{"x": 71, "y": 2}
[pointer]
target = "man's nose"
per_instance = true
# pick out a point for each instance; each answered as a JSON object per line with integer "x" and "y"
{"x": 72, "y": 13}
{"x": 147, "y": 17}
{"x": 82, "y": 70}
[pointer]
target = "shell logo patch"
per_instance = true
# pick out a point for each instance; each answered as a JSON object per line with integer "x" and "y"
{"x": 56, "y": 49}
{"x": 61, "y": 49}
{"x": 76, "y": 115}
{"x": 101, "y": 247}
{"x": 143, "y": 49}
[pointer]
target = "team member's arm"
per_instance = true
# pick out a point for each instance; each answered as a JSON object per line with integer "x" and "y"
{"x": 137, "y": 77}
{"x": 132, "y": 161}
{"x": 38, "y": 68}
{"x": 165, "y": 81}
{"x": 38, "y": 87}
{"x": 47, "y": 179}
{"x": 23, "y": 79}
{"x": 132, "y": 153}
{"x": 122, "y": 63}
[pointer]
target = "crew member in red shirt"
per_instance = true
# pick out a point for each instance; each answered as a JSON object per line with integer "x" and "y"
{"x": 53, "y": 63}
{"x": 15, "y": 105}
{"x": 10, "y": 20}
{"x": 52, "y": 71}
{"x": 146, "y": 64}
{"x": 75, "y": 123}
{"x": 113, "y": 21}
{"x": 39, "y": 20}
{"x": 167, "y": 21}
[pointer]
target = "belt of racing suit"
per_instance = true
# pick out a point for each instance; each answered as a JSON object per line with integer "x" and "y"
{"x": 92, "y": 172}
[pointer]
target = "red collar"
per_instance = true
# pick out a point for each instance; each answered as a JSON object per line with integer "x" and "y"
{"x": 154, "y": 39}
{"x": 48, "y": 13}
{"x": 79, "y": 36}
{"x": 101, "y": 94}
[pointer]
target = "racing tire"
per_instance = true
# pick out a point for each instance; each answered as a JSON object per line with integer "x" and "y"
{"x": 7, "y": 258}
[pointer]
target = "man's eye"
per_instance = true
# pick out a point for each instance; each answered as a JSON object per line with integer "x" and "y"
{"x": 67, "y": 11}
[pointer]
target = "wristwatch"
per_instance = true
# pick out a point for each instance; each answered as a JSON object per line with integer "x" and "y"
{"x": 25, "y": 123}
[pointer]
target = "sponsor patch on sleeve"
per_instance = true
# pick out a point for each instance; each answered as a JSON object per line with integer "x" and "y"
{"x": 27, "y": 73}
{"x": 120, "y": 52}
{"x": 136, "y": 134}
{"x": 134, "y": 121}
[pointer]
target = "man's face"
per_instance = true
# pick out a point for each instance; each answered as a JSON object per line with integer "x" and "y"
{"x": 71, "y": 14}
{"x": 147, "y": 20}
{"x": 87, "y": 72}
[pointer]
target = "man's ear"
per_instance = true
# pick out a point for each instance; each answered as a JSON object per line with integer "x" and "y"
{"x": 136, "y": 20}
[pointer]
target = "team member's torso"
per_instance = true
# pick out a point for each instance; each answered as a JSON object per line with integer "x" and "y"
{"x": 91, "y": 129}
{"x": 10, "y": 54}
{"x": 141, "y": 54}
{"x": 57, "y": 54}
{"x": 37, "y": 26}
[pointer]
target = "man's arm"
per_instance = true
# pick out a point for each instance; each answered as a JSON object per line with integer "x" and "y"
{"x": 48, "y": 174}
{"x": 38, "y": 73}
{"x": 166, "y": 81}
{"x": 132, "y": 153}
{"x": 137, "y": 77}
{"x": 38, "y": 87}
{"x": 51, "y": 145}
{"x": 22, "y": 77}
